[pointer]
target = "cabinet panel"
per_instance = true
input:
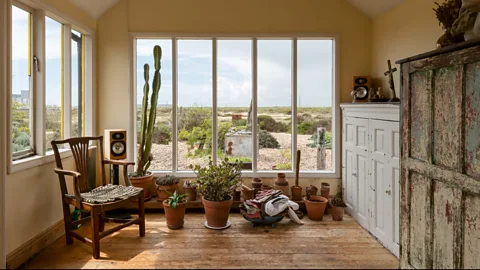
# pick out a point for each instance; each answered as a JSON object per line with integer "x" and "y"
{"x": 472, "y": 120}
{"x": 362, "y": 190}
{"x": 420, "y": 108}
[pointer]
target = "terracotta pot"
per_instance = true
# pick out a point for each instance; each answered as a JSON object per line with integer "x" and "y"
{"x": 144, "y": 182}
{"x": 217, "y": 212}
{"x": 316, "y": 207}
{"x": 247, "y": 194}
{"x": 191, "y": 193}
{"x": 281, "y": 179}
{"x": 162, "y": 191}
{"x": 174, "y": 216}
{"x": 337, "y": 213}
{"x": 296, "y": 193}
{"x": 325, "y": 190}
{"x": 281, "y": 183}
{"x": 311, "y": 191}
{"x": 266, "y": 187}
{"x": 257, "y": 183}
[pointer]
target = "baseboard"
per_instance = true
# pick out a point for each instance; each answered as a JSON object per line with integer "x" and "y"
{"x": 19, "y": 256}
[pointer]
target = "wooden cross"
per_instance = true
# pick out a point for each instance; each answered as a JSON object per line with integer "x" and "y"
{"x": 389, "y": 73}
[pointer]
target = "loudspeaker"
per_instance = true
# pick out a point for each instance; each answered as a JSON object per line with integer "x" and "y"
{"x": 115, "y": 144}
{"x": 361, "y": 85}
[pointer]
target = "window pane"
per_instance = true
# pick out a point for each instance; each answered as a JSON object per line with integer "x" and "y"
{"x": 194, "y": 102}
{"x": 234, "y": 95}
{"x": 77, "y": 85}
{"x": 21, "y": 94}
{"x": 54, "y": 87}
{"x": 274, "y": 104}
{"x": 314, "y": 99}
{"x": 162, "y": 134}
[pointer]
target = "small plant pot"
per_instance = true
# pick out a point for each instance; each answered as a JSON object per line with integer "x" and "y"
{"x": 217, "y": 212}
{"x": 174, "y": 216}
{"x": 281, "y": 183}
{"x": 316, "y": 207}
{"x": 257, "y": 183}
{"x": 247, "y": 194}
{"x": 296, "y": 193}
{"x": 325, "y": 190}
{"x": 337, "y": 213}
{"x": 162, "y": 191}
{"x": 266, "y": 187}
{"x": 191, "y": 193}
{"x": 144, "y": 182}
{"x": 311, "y": 191}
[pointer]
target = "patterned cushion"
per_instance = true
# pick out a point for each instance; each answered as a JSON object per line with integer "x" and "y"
{"x": 108, "y": 193}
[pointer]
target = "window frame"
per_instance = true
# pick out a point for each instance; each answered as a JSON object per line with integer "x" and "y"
{"x": 174, "y": 37}
{"x": 39, "y": 13}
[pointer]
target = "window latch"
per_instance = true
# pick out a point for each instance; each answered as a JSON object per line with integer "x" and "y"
{"x": 37, "y": 64}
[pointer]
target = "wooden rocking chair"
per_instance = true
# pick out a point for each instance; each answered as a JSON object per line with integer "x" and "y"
{"x": 79, "y": 147}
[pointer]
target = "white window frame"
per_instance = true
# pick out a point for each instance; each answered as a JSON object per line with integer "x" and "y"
{"x": 336, "y": 143}
{"x": 39, "y": 11}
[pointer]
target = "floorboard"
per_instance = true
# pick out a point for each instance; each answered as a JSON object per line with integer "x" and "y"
{"x": 325, "y": 244}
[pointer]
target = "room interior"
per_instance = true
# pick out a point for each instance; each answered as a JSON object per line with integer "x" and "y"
{"x": 216, "y": 59}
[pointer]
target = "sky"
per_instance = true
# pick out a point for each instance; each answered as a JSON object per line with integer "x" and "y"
{"x": 234, "y": 72}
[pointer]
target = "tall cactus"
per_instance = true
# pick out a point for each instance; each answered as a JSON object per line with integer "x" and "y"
{"x": 148, "y": 116}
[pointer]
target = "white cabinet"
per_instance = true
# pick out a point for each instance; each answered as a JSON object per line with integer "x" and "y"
{"x": 371, "y": 169}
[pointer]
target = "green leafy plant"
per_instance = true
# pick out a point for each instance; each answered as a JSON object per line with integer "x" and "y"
{"x": 189, "y": 184}
{"x": 338, "y": 202}
{"x": 328, "y": 140}
{"x": 217, "y": 182}
{"x": 269, "y": 124}
{"x": 283, "y": 166}
{"x": 175, "y": 199}
{"x": 167, "y": 180}
{"x": 148, "y": 113}
{"x": 162, "y": 134}
{"x": 266, "y": 140}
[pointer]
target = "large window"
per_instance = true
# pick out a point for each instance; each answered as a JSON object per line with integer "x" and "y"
{"x": 49, "y": 81}
{"x": 256, "y": 100}
{"x": 22, "y": 113}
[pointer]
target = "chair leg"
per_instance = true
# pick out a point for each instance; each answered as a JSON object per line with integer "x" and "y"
{"x": 95, "y": 220}
{"x": 67, "y": 221}
{"x": 141, "y": 214}
{"x": 101, "y": 223}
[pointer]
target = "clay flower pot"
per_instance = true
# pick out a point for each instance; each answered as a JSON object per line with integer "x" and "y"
{"x": 144, "y": 182}
{"x": 266, "y": 187}
{"x": 191, "y": 193}
{"x": 316, "y": 207}
{"x": 311, "y": 191}
{"x": 296, "y": 193}
{"x": 174, "y": 216}
{"x": 247, "y": 194}
{"x": 281, "y": 184}
{"x": 337, "y": 213}
{"x": 217, "y": 212}
{"x": 162, "y": 191}
{"x": 325, "y": 190}
{"x": 257, "y": 183}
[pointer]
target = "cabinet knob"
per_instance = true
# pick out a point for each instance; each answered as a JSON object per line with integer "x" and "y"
{"x": 389, "y": 192}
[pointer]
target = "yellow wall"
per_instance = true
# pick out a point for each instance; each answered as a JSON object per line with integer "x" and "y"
{"x": 33, "y": 202}
{"x": 220, "y": 16}
{"x": 409, "y": 29}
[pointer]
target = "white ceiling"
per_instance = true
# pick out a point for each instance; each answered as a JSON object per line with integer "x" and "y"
{"x": 374, "y": 8}
{"x": 95, "y": 8}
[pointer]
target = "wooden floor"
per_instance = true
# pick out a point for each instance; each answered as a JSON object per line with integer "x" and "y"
{"x": 325, "y": 244}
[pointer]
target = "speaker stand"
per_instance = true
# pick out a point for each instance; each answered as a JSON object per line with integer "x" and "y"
{"x": 117, "y": 213}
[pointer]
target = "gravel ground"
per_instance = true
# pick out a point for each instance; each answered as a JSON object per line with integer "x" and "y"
{"x": 267, "y": 157}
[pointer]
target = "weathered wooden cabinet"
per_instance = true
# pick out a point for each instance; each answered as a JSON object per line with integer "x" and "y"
{"x": 440, "y": 164}
{"x": 371, "y": 169}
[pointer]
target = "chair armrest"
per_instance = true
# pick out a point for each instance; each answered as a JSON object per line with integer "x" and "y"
{"x": 76, "y": 188}
{"x": 118, "y": 162}
{"x": 67, "y": 172}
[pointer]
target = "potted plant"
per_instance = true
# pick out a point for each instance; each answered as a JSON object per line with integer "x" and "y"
{"x": 216, "y": 184}
{"x": 142, "y": 177}
{"x": 191, "y": 190}
{"x": 166, "y": 185}
{"x": 338, "y": 208}
{"x": 174, "y": 208}
{"x": 316, "y": 207}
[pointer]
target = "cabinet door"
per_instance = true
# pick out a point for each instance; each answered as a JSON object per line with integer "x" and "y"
{"x": 384, "y": 203}
{"x": 356, "y": 169}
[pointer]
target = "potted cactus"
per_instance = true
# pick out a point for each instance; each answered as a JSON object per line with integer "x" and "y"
{"x": 338, "y": 208}
{"x": 216, "y": 184}
{"x": 166, "y": 185}
{"x": 142, "y": 177}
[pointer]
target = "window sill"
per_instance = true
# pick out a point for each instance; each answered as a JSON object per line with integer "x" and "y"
{"x": 265, "y": 174}
{"x": 37, "y": 160}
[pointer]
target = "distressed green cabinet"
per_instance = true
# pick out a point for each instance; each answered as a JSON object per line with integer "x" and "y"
{"x": 440, "y": 158}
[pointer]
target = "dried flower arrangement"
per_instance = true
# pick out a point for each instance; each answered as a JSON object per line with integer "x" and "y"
{"x": 447, "y": 12}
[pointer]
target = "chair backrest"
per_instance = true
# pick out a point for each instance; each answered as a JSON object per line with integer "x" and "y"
{"x": 79, "y": 147}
